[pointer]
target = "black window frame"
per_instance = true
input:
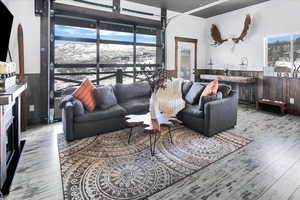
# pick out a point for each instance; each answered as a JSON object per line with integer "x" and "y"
{"x": 111, "y": 26}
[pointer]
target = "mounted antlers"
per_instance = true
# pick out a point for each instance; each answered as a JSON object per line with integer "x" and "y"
{"x": 216, "y": 34}
{"x": 245, "y": 30}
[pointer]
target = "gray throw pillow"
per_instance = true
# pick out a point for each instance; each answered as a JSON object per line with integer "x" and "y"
{"x": 205, "y": 99}
{"x": 105, "y": 97}
{"x": 186, "y": 85}
{"x": 78, "y": 107}
{"x": 225, "y": 89}
{"x": 192, "y": 97}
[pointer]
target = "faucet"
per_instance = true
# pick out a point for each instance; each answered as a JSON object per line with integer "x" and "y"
{"x": 226, "y": 72}
{"x": 244, "y": 61}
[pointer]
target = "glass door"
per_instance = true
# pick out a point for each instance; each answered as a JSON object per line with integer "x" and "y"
{"x": 186, "y": 59}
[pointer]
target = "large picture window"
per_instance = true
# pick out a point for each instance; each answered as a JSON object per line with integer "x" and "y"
{"x": 296, "y": 49}
{"x": 116, "y": 54}
{"x": 145, "y": 55}
{"x": 116, "y": 36}
{"x": 104, "y": 46}
{"x": 78, "y": 32}
{"x": 283, "y": 51}
{"x": 69, "y": 52}
{"x": 100, "y": 51}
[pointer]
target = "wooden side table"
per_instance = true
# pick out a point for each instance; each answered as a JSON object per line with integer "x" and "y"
{"x": 151, "y": 126}
{"x": 281, "y": 105}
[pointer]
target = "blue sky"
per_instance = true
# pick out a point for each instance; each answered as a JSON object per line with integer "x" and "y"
{"x": 296, "y": 36}
{"x": 68, "y": 31}
{"x": 279, "y": 39}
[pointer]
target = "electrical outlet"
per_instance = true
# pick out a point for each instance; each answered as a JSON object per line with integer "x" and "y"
{"x": 31, "y": 108}
{"x": 292, "y": 101}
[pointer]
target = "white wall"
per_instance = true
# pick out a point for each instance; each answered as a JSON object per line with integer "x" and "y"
{"x": 23, "y": 11}
{"x": 271, "y": 18}
{"x": 189, "y": 27}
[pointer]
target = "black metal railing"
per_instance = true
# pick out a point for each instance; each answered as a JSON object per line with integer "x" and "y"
{"x": 119, "y": 74}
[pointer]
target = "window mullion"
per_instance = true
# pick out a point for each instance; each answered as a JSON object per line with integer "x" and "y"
{"x": 98, "y": 52}
{"x": 134, "y": 53}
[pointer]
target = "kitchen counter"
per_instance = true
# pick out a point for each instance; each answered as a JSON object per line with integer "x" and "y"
{"x": 231, "y": 79}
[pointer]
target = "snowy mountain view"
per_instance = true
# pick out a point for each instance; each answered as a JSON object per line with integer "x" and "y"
{"x": 69, "y": 52}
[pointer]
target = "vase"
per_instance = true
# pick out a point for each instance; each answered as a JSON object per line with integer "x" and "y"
{"x": 153, "y": 106}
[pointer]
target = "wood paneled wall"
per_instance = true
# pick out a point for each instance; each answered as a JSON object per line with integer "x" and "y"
{"x": 34, "y": 98}
{"x": 282, "y": 89}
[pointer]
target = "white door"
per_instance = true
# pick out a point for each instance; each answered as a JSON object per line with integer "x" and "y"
{"x": 186, "y": 61}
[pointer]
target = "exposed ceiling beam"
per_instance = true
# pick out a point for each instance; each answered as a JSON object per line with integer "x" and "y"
{"x": 75, "y": 11}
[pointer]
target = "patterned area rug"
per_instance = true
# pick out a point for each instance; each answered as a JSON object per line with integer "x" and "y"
{"x": 107, "y": 167}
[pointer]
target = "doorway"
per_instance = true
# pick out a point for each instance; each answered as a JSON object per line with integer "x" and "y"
{"x": 185, "y": 58}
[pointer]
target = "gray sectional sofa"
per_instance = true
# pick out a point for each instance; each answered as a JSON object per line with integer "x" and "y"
{"x": 215, "y": 116}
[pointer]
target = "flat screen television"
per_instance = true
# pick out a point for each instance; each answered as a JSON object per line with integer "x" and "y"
{"x": 6, "y": 25}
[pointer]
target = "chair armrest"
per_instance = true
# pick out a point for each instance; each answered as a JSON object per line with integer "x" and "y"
{"x": 68, "y": 120}
{"x": 220, "y": 115}
{"x": 66, "y": 99}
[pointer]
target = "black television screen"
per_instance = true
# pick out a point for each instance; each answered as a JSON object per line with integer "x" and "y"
{"x": 6, "y": 25}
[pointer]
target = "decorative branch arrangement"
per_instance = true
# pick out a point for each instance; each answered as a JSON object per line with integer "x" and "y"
{"x": 156, "y": 79}
{"x": 216, "y": 34}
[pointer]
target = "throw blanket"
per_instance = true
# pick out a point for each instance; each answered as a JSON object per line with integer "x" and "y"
{"x": 170, "y": 99}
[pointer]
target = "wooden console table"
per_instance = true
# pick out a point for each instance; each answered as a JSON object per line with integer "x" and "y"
{"x": 281, "y": 105}
{"x": 230, "y": 79}
{"x": 10, "y": 139}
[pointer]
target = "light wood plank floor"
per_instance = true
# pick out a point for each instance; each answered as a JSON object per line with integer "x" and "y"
{"x": 266, "y": 169}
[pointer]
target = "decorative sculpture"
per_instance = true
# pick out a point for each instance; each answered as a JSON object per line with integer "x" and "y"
{"x": 216, "y": 34}
{"x": 247, "y": 24}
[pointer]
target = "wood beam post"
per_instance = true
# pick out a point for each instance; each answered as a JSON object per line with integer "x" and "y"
{"x": 98, "y": 53}
{"x": 51, "y": 66}
{"x": 163, "y": 36}
{"x": 134, "y": 53}
{"x": 119, "y": 76}
{"x": 45, "y": 61}
{"x": 116, "y": 6}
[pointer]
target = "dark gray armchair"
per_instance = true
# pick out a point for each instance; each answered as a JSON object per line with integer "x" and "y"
{"x": 217, "y": 116}
{"x": 220, "y": 115}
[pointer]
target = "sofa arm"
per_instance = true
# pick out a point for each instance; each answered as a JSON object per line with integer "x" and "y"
{"x": 68, "y": 120}
{"x": 220, "y": 115}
